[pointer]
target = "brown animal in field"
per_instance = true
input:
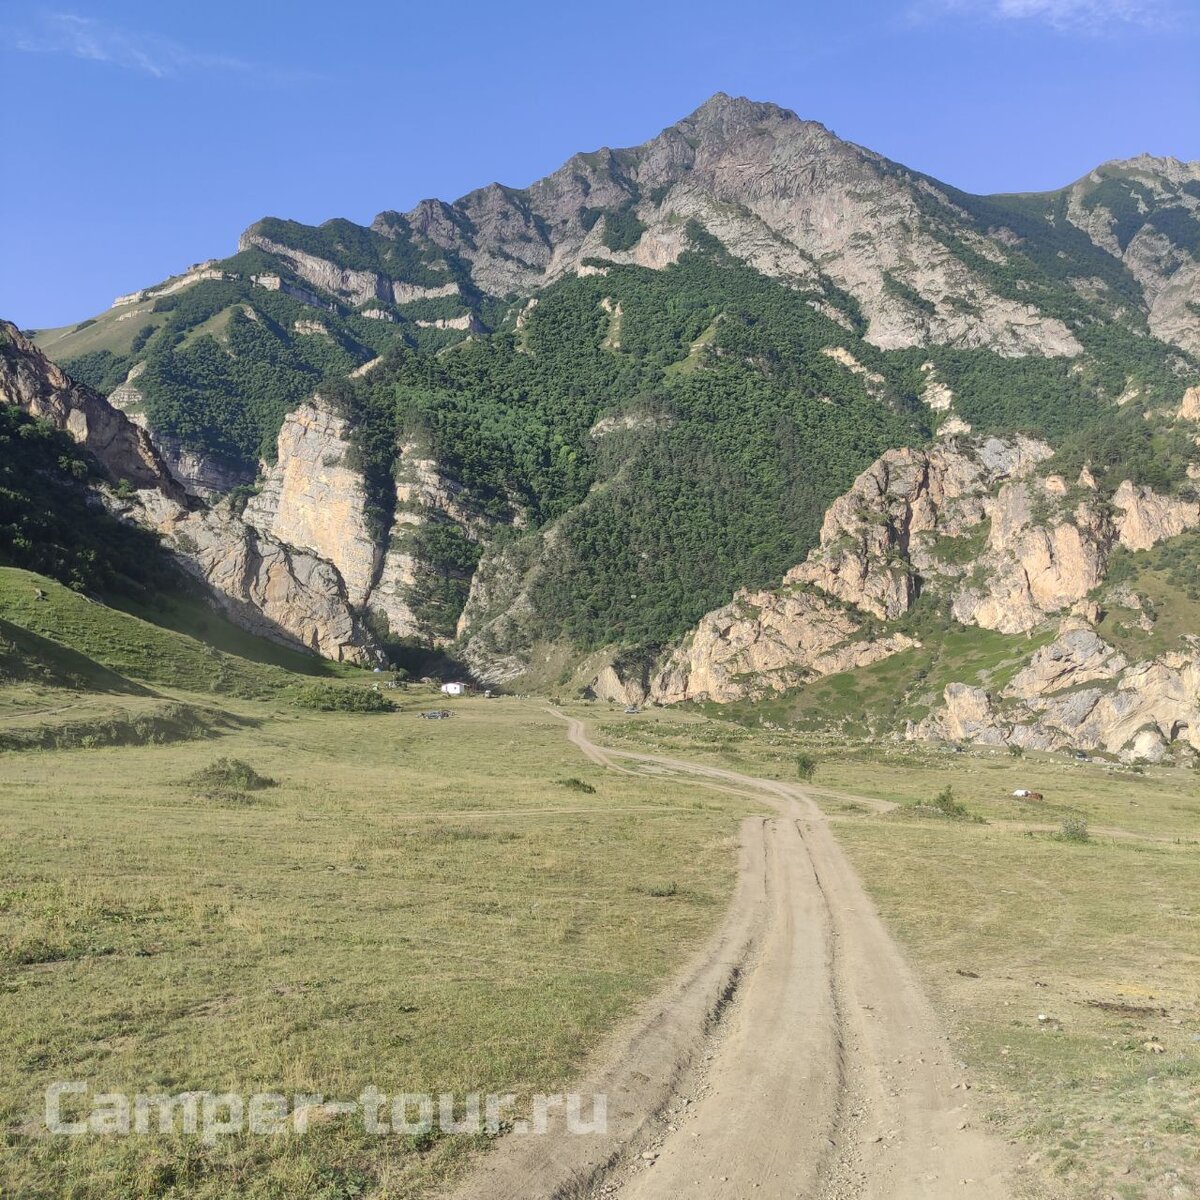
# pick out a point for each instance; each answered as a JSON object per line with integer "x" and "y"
{"x": 1035, "y": 796}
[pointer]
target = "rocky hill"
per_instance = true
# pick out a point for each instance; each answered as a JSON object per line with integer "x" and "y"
{"x": 976, "y": 533}
{"x": 581, "y": 431}
{"x": 121, "y": 484}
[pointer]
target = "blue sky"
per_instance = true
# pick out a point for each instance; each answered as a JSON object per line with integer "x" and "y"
{"x": 141, "y": 137}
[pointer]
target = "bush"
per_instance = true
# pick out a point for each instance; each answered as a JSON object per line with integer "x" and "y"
{"x": 806, "y": 766}
{"x": 229, "y": 779}
{"x": 578, "y": 785}
{"x": 946, "y": 804}
{"x": 328, "y": 697}
{"x": 1074, "y": 829}
{"x": 1017, "y": 751}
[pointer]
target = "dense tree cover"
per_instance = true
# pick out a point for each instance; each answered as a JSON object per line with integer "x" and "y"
{"x": 362, "y": 249}
{"x": 99, "y": 369}
{"x": 729, "y": 432}
{"x": 448, "y": 559}
{"x": 622, "y": 229}
{"x": 51, "y": 523}
{"x": 228, "y": 364}
{"x": 686, "y": 427}
{"x": 1180, "y": 225}
{"x": 688, "y": 430}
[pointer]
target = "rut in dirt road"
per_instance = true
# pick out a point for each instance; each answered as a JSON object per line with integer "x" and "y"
{"x": 796, "y": 1056}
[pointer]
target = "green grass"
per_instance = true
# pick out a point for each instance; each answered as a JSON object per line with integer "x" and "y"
{"x": 880, "y": 698}
{"x": 68, "y": 625}
{"x": 113, "y": 330}
{"x": 1165, "y": 579}
{"x": 695, "y": 355}
{"x": 422, "y": 906}
{"x": 1098, "y": 939}
{"x": 469, "y": 906}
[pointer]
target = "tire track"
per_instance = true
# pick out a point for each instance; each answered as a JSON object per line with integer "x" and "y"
{"x": 797, "y": 1056}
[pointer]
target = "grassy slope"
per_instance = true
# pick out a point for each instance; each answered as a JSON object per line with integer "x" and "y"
{"x": 113, "y": 330}
{"x": 428, "y": 906}
{"x": 168, "y": 653}
{"x": 880, "y": 698}
{"x": 1037, "y": 926}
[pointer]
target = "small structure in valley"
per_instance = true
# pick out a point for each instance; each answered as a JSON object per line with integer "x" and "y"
{"x": 454, "y": 689}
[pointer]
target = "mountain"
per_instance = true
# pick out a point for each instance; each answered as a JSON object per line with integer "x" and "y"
{"x": 557, "y": 430}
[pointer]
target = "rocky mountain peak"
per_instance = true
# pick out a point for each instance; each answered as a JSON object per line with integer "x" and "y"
{"x": 722, "y": 113}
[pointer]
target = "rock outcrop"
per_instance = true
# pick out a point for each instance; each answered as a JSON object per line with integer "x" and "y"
{"x": 315, "y": 500}
{"x": 766, "y": 642}
{"x": 29, "y": 380}
{"x": 1078, "y": 693}
{"x": 498, "y": 626}
{"x": 1135, "y": 210}
{"x": 266, "y": 586}
{"x": 980, "y": 527}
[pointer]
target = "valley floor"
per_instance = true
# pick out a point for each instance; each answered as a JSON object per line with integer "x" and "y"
{"x": 474, "y": 905}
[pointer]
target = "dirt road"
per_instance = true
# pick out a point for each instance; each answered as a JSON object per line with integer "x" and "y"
{"x": 795, "y": 1057}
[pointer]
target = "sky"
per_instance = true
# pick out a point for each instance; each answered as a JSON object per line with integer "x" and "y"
{"x": 142, "y": 137}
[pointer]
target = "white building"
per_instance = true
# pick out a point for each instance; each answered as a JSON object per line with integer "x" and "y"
{"x": 454, "y": 689}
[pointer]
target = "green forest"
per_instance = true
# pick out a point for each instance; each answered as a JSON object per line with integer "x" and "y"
{"x": 684, "y": 428}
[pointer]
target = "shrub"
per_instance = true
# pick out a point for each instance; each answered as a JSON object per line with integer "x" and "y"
{"x": 328, "y": 697}
{"x": 230, "y": 780}
{"x": 578, "y": 785}
{"x": 1074, "y": 829}
{"x": 806, "y": 766}
{"x": 1017, "y": 751}
{"x": 946, "y": 804}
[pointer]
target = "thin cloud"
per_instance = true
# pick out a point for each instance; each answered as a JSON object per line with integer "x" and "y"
{"x": 1081, "y": 16}
{"x": 150, "y": 54}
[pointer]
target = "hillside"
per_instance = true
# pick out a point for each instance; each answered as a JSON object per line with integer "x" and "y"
{"x": 556, "y": 430}
{"x": 215, "y": 356}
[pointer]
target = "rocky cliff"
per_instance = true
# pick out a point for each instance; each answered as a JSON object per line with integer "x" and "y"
{"x": 1146, "y": 212}
{"x": 986, "y": 530}
{"x": 266, "y": 586}
{"x": 1079, "y": 693}
{"x": 32, "y": 382}
{"x": 782, "y": 194}
{"x": 573, "y": 416}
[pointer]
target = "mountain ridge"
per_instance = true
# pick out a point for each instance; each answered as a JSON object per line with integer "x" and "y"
{"x": 568, "y": 424}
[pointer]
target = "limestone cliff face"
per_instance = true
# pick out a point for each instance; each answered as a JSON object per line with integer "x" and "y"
{"x": 972, "y": 522}
{"x": 424, "y": 496}
{"x": 266, "y": 586}
{"x": 886, "y": 528}
{"x": 769, "y": 642}
{"x": 783, "y": 194}
{"x": 875, "y": 541}
{"x": 1131, "y": 209}
{"x": 1079, "y": 693}
{"x": 497, "y": 629}
{"x": 31, "y": 381}
{"x": 357, "y": 286}
{"x": 1144, "y": 519}
{"x": 315, "y": 500}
